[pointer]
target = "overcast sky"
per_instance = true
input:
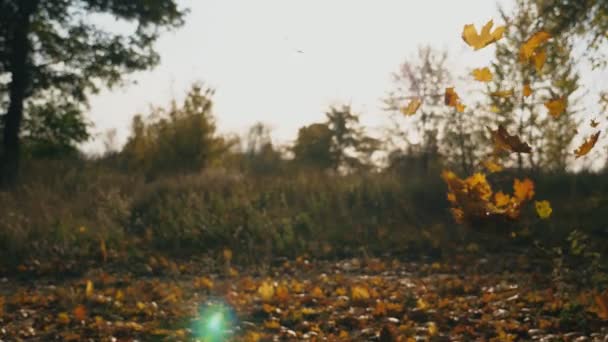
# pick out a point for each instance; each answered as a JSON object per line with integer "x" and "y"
{"x": 283, "y": 62}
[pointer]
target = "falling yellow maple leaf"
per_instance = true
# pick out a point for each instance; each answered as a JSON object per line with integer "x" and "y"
{"x": 451, "y": 98}
{"x": 501, "y": 199}
{"x": 485, "y": 36}
{"x": 556, "y": 106}
{"x": 482, "y": 74}
{"x": 594, "y": 123}
{"x": 587, "y": 145}
{"x": 543, "y": 209}
{"x": 528, "y": 48}
{"x": 523, "y": 190}
{"x": 460, "y": 107}
{"x": 412, "y": 107}
{"x": 492, "y": 166}
{"x": 502, "y": 93}
{"x": 527, "y": 91}
{"x": 539, "y": 59}
{"x": 509, "y": 143}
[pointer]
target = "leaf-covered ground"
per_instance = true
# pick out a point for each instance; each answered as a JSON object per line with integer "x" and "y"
{"x": 501, "y": 299}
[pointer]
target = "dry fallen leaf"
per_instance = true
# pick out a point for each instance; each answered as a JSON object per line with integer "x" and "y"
{"x": 587, "y": 145}
{"x": 482, "y": 74}
{"x": 509, "y": 143}
{"x": 485, "y": 36}
{"x": 266, "y": 291}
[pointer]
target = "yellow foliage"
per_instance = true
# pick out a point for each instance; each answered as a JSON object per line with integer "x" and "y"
{"x": 543, "y": 209}
{"x": 266, "y": 291}
{"x": 482, "y": 74}
{"x": 523, "y": 190}
{"x": 485, "y": 37}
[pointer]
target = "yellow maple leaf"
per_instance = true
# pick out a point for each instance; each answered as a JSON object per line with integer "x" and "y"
{"x": 412, "y": 107}
{"x": 502, "y": 93}
{"x": 451, "y": 98}
{"x": 523, "y": 190}
{"x": 485, "y": 37}
{"x": 359, "y": 293}
{"x": 482, "y": 74}
{"x": 460, "y": 107}
{"x": 543, "y": 209}
{"x": 492, "y": 166}
{"x": 501, "y": 199}
{"x": 527, "y": 91}
{"x": 587, "y": 145}
{"x": 556, "y": 106}
{"x": 528, "y": 48}
{"x": 266, "y": 291}
{"x": 539, "y": 59}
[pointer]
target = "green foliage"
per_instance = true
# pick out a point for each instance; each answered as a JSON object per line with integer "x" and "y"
{"x": 339, "y": 144}
{"x": 177, "y": 140}
{"x": 56, "y": 49}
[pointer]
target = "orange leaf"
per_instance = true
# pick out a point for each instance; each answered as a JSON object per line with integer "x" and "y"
{"x": 482, "y": 74}
{"x": 451, "y": 98}
{"x": 601, "y": 300}
{"x": 527, "y": 91}
{"x": 587, "y": 145}
{"x": 510, "y": 143}
{"x": 484, "y": 38}
{"x": 523, "y": 190}
{"x": 539, "y": 59}
{"x": 556, "y": 106}
{"x": 80, "y": 313}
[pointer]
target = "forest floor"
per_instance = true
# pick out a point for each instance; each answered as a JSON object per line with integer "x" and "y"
{"x": 500, "y": 299}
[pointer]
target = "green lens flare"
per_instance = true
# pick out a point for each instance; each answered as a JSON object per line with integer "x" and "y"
{"x": 215, "y": 323}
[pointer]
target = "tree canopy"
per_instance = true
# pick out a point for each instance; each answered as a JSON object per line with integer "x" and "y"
{"x": 61, "y": 50}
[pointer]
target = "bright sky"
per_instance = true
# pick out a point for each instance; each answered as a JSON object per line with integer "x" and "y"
{"x": 284, "y": 62}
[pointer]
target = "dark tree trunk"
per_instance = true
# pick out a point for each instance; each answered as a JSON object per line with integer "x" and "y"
{"x": 20, "y": 78}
